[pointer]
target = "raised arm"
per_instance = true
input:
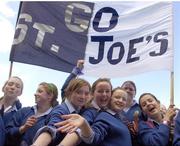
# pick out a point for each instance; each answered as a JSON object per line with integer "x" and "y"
{"x": 75, "y": 72}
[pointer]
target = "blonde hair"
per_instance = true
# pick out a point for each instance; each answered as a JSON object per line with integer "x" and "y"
{"x": 22, "y": 85}
{"x": 75, "y": 85}
{"x": 114, "y": 90}
{"x": 51, "y": 89}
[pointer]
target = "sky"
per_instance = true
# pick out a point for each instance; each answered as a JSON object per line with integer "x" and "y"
{"x": 156, "y": 82}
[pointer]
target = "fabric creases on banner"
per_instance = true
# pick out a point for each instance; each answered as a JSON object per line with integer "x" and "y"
{"x": 115, "y": 39}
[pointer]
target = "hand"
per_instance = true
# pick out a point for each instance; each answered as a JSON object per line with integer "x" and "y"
{"x": 31, "y": 121}
{"x": 132, "y": 128}
{"x": 80, "y": 64}
{"x": 136, "y": 120}
{"x": 71, "y": 123}
{"x": 170, "y": 113}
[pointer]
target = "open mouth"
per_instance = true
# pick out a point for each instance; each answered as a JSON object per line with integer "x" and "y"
{"x": 152, "y": 109}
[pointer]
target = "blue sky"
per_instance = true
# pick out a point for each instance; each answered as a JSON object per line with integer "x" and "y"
{"x": 156, "y": 82}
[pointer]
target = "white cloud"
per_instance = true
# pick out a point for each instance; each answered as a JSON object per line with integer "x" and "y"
{"x": 7, "y": 26}
{"x": 7, "y": 33}
{"x": 4, "y": 75}
{"x": 6, "y": 10}
{"x": 4, "y": 67}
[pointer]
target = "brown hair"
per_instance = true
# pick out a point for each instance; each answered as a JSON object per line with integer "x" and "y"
{"x": 144, "y": 116}
{"x": 118, "y": 88}
{"x": 89, "y": 103}
{"x": 51, "y": 89}
{"x": 75, "y": 85}
{"x": 144, "y": 94}
{"x": 130, "y": 82}
{"x": 98, "y": 81}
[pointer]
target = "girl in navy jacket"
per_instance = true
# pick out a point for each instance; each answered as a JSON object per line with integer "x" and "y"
{"x": 2, "y": 132}
{"x": 107, "y": 129}
{"x": 101, "y": 94}
{"x": 28, "y": 120}
{"x": 155, "y": 130}
{"x": 132, "y": 106}
{"x": 132, "y": 111}
{"x": 9, "y": 103}
{"x": 176, "y": 141}
{"x": 77, "y": 94}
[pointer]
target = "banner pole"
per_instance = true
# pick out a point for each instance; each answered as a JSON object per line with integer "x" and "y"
{"x": 11, "y": 65}
{"x": 172, "y": 89}
{"x": 10, "y": 70}
{"x": 172, "y": 72}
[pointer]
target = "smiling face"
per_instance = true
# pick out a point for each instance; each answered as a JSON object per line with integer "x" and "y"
{"x": 78, "y": 92}
{"x": 150, "y": 106}
{"x": 118, "y": 100}
{"x": 102, "y": 93}
{"x": 46, "y": 93}
{"x": 79, "y": 97}
{"x": 42, "y": 97}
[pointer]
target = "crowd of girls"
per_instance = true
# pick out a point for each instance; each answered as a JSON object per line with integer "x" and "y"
{"x": 96, "y": 114}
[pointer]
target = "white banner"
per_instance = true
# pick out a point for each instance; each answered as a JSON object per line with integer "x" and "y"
{"x": 128, "y": 38}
